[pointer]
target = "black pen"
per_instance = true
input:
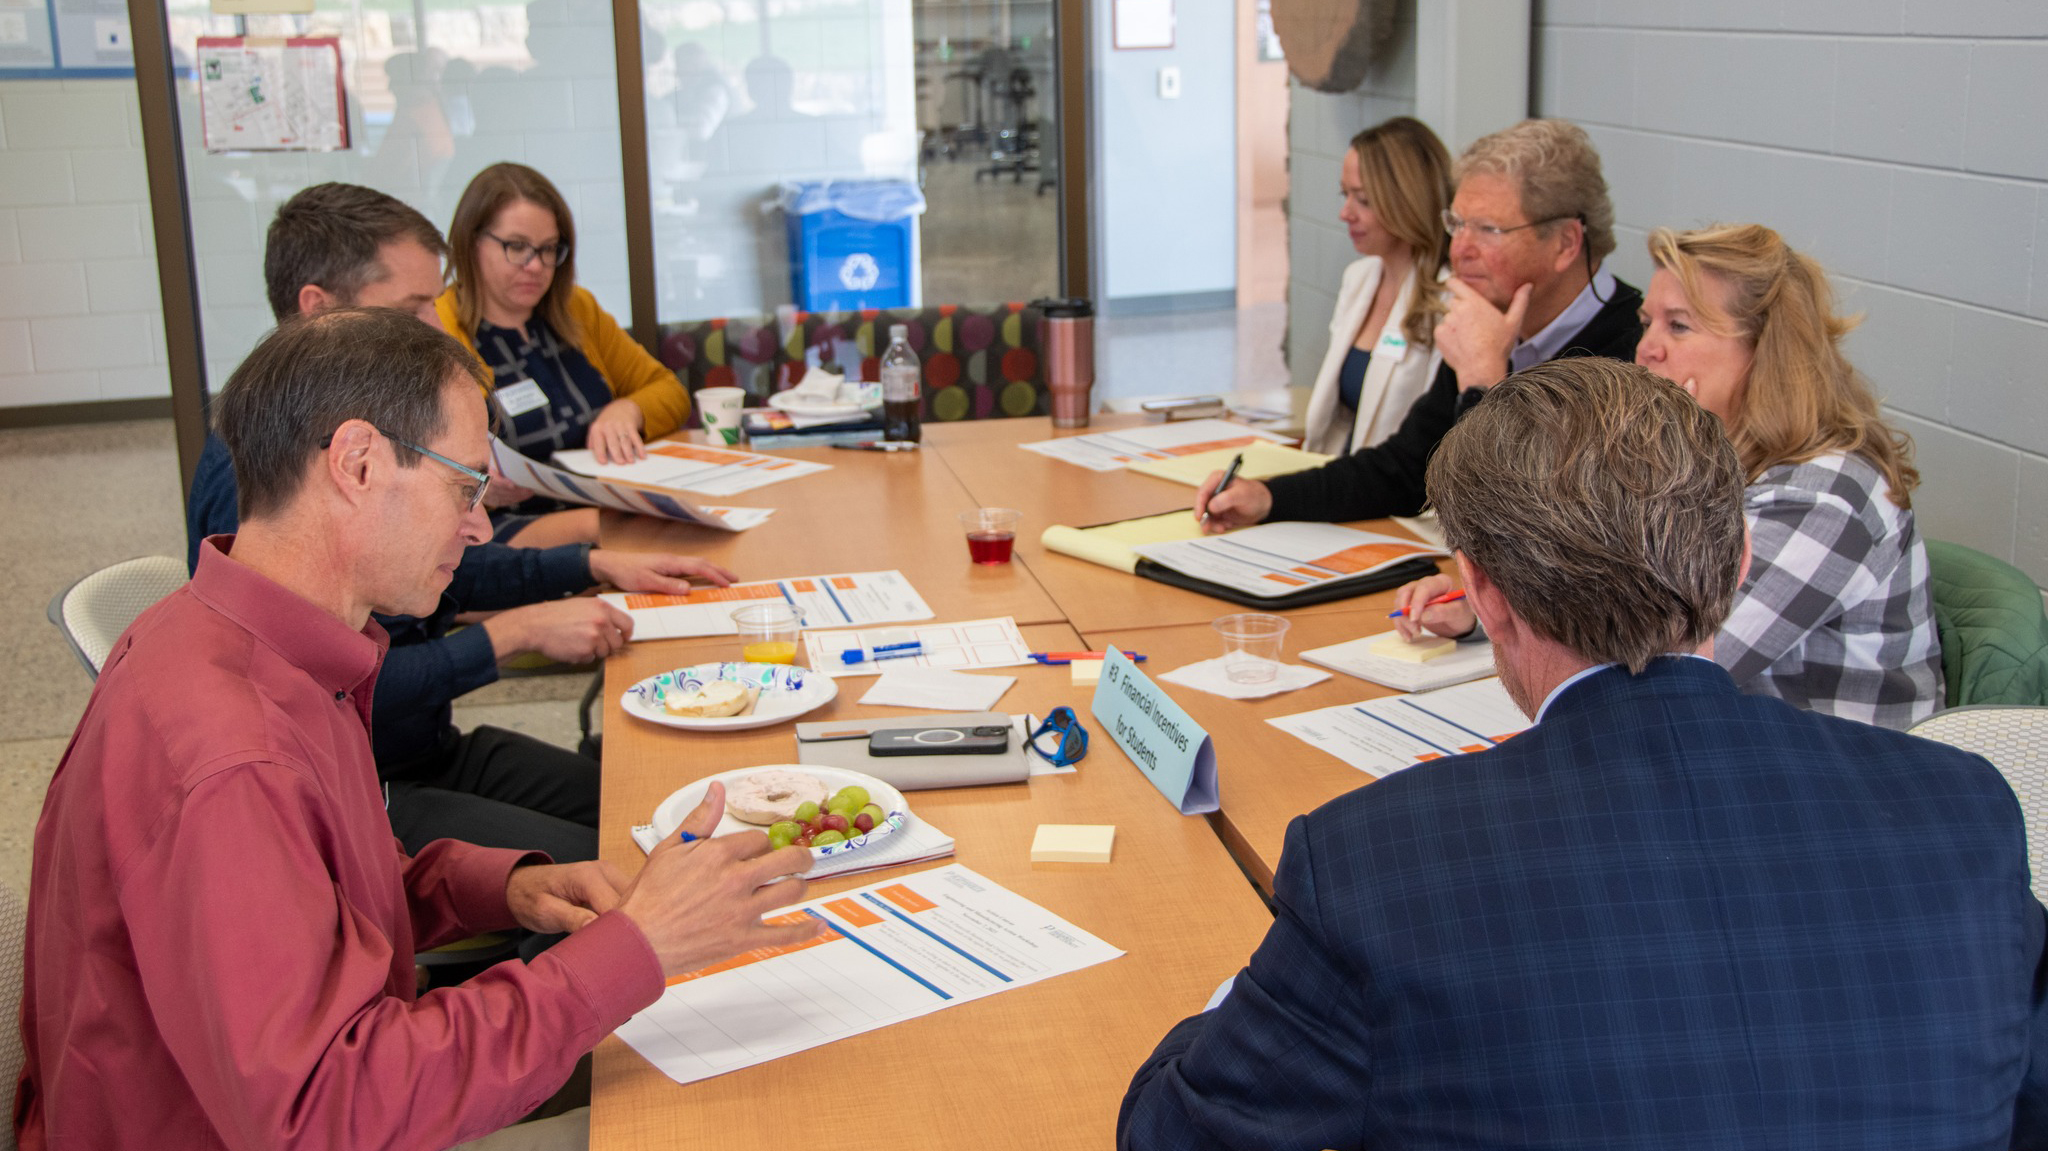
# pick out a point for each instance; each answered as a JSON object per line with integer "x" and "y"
{"x": 880, "y": 446}
{"x": 1229, "y": 474}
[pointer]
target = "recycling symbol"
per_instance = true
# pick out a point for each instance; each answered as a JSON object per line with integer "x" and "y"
{"x": 860, "y": 272}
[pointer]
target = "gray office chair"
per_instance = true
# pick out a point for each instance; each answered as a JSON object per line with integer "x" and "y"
{"x": 2015, "y": 740}
{"x": 93, "y": 612}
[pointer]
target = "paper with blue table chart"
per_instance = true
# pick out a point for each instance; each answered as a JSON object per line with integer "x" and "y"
{"x": 682, "y": 466}
{"x": 845, "y": 599}
{"x": 1276, "y": 559}
{"x": 895, "y": 950}
{"x": 562, "y": 485}
{"x": 1383, "y": 736}
{"x": 1109, "y": 451}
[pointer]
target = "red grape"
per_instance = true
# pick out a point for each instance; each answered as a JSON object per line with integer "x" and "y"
{"x": 864, "y": 822}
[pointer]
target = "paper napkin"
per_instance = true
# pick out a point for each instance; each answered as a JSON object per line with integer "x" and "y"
{"x": 936, "y": 689}
{"x": 1209, "y": 676}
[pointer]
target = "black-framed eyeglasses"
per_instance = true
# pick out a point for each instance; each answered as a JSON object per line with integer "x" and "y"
{"x": 519, "y": 253}
{"x": 473, "y": 497}
{"x": 1063, "y": 731}
{"x": 1487, "y": 235}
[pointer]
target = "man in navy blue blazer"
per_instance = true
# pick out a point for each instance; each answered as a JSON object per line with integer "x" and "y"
{"x": 1668, "y": 915}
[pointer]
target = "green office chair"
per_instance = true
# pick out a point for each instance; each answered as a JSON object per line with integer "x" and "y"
{"x": 1994, "y": 634}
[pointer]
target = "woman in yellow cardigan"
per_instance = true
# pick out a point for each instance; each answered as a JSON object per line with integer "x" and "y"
{"x": 565, "y": 374}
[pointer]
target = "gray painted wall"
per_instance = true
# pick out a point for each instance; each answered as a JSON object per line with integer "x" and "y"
{"x": 1319, "y": 129}
{"x": 1165, "y": 171}
{"x": 1900, "y": 143}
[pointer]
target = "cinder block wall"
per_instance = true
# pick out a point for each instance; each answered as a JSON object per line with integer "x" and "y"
{"x": 1899, "y": 142}
{"x": 79, "y": 316}
{"x": 1319, "y": 129}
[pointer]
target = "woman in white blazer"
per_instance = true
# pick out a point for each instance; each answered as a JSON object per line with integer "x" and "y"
{"x": 1396, "y": 182}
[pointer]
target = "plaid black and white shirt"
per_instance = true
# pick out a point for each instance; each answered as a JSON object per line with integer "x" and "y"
{"x": 1836, "y": 615}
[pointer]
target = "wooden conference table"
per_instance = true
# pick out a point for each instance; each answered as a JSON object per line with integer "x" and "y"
{"x": 1045, "y": 1064}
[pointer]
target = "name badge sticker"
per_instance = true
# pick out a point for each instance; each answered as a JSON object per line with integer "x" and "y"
{"x": 521, "y": 398}
{"x": 1162, "y": 739}
{"x": 1393, "y": 346}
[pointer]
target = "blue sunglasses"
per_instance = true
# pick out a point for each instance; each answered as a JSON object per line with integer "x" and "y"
{"x": 1065, "y": 733}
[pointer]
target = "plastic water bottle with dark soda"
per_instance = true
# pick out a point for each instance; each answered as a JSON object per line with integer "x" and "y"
{"x": 900, "y": 399}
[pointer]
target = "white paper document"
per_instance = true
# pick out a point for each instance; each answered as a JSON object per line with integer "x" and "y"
{"x": 1280, "y": 558}
{"x": 974, "y": 643}
{"x": 895, "y": 950}
{"x": 1383, "y": 736}
{"x": 1108, "y": 451}
{"x": 848, "y": 598}
{"x": 694, "y": 468}
{"x": 936, "y": 689}
{"x": 1468, "y": 661}
{"x": 259, "y": 95}
{"x": 575, "y": 489}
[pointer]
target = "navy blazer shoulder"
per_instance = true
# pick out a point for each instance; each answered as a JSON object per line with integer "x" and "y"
{"x": 1668, "y": 915}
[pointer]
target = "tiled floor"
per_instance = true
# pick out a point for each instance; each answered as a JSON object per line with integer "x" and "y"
{"x": 91, "y": 495}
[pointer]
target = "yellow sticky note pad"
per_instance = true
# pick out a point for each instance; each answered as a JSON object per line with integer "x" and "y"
{"x": 1087, "y": 672}
{"x": 1427, "y": 648}
{"x": 1073, "y": 842}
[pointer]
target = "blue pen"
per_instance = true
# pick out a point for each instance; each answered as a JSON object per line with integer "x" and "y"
{"x": 881, "y": 651}
{"x": 687, "y": 837}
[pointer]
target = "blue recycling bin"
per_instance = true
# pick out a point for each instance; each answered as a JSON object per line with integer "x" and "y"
{"x": 850, "y": 242}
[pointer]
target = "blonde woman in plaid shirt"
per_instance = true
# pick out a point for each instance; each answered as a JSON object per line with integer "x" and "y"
{"x": 1835, "y": 614}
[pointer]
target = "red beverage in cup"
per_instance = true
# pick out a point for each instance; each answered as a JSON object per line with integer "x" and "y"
{"x": 990, "y": 547}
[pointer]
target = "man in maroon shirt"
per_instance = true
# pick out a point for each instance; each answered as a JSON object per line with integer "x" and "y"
{"x": 221, "y": 927}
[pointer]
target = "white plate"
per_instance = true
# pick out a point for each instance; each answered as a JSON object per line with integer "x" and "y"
{"x": 798, "y": 404}
{"x": 670, "y": 814}
{"x": 786, "y": 693}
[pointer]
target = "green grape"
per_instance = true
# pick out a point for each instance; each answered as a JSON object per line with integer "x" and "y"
{"x": 840, "y": 805}
{"x": 784, "y": 833}
{"x": 854, "y": 794}
{"x": 827, "y": 837}
{"x": 806, "y": 812}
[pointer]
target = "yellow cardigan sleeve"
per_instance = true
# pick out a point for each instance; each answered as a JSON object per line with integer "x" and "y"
{"x": 629, "y": 370}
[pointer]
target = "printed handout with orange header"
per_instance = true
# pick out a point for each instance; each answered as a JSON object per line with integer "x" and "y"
{"x": 597, "y": 493}
{"x": 681, "y": 466}
{"x": 849, "y": 599}
{"x": 1276, "y": 559}
{"x": 1382, "y": 736}
{"x": 892, "y": 951}
{"x": 1109, "y": 451}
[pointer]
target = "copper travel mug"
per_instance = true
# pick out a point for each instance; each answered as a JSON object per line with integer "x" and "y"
{"x": 1066, "y": 338}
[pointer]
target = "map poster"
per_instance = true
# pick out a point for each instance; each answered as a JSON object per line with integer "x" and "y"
{"x": 268, "y": 95}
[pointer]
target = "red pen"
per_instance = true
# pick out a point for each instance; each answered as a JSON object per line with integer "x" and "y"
{"x": 1447, "y": 597}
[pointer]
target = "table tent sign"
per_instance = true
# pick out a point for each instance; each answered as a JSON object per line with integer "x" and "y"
{"x": 1162, "y": 739}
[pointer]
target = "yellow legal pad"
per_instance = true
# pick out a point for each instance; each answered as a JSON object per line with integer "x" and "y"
{"x": 1110, "y": 544}
{"x": 1262, "y": 461}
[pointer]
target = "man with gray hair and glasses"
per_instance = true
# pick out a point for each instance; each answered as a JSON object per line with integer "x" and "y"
{"x": 1668, "y": 914}
{"x": 1529, "y": 227}
{"x": 221, "y": 924}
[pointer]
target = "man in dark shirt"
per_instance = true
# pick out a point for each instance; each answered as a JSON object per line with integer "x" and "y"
{"x": 1530, "y": 226}
{"x": 335, "y": 245}
{"x": 1668, "y": 914}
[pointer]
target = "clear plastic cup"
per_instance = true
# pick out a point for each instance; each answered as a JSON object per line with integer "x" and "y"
{"x": 991, "y": 534}
{"x": 1251, "y": 646}
{"x": 767, "y": 632}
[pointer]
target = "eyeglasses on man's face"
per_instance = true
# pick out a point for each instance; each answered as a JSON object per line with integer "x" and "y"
{"x": 472, "y": 494}
{"x": 519, "y": 253}
{"x": 1488, "y": 235}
